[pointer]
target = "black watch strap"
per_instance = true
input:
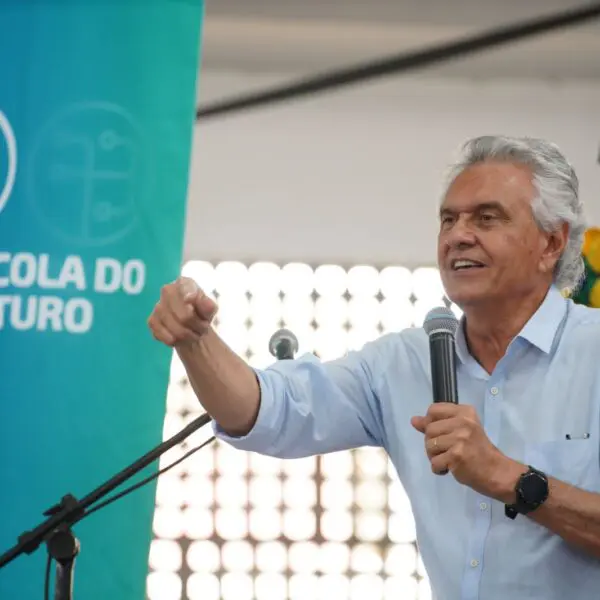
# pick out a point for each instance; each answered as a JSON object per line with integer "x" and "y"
{"x": 531, "y": 492}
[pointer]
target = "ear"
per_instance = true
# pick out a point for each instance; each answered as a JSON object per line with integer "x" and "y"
{"x": 555, "y": 245}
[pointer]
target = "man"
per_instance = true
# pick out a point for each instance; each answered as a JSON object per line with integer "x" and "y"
{"x": 511, "y": 227}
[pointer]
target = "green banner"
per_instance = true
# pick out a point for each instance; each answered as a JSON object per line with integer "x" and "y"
{"x": 97, "y": 105}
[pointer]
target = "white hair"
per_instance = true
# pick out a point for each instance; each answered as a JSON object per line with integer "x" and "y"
{"x": 557, "y": 200}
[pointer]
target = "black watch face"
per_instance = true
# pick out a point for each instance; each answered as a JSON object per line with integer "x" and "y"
{"x": 534, "y": 488}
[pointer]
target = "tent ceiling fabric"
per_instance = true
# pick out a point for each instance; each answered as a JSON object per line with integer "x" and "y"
{"x": 478, "y": 13}
{"x": 316, "y": 35}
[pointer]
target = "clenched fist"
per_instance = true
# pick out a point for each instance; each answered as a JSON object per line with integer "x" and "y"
{"x": 183, "y": 314}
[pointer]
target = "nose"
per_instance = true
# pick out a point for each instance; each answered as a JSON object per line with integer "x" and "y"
{"x": 459, "y": 236}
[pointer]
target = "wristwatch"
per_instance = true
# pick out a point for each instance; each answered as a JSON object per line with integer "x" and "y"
{"x": 532, "y": 491}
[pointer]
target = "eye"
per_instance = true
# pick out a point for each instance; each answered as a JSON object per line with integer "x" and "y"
{"x": 487, "y": 217}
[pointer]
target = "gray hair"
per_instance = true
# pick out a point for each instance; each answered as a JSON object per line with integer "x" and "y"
{"x": 557, "y": 199}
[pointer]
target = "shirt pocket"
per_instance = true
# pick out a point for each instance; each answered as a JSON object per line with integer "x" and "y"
{"x": 573, "y": 461}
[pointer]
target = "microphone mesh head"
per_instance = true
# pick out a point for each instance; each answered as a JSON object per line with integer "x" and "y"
{"x": 440, "y": 319}
{"x": 279, "y": 336}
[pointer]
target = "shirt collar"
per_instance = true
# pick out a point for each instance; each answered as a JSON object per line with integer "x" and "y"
{"x": 543, "y": 326}
{"x": 540, "y": 330}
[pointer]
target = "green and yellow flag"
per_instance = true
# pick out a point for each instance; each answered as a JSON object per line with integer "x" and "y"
{"x": 589, "y": 293}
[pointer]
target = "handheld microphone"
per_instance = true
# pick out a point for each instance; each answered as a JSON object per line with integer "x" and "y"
{"x": 283, "y": 344}
{"x": 441, "y": 325}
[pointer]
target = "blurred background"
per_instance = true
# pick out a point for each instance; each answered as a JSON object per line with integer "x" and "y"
{"x": 319, "y": 214}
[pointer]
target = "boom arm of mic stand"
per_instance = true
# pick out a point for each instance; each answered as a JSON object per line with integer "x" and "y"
{"x": 55, "y": 530}
{"x": 62, "y": 544}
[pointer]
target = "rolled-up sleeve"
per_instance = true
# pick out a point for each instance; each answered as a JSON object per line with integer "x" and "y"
{"x": 311, "y": 407}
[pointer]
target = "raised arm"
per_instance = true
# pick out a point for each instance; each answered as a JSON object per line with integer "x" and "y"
{"x": 310, "y": 407}
{"x": 224, "y": 384}
{"x": 294, "y": 408}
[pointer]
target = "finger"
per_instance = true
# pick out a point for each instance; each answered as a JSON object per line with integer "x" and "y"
{"x": 419, "y": 423}
{"x": 192, "y": 320}
{"x": 160, "y": 332}
{"x": 443, "y": 427}
{"x": 183, "y": 316}
{"x": 447, "y": 410}
{"x": 172, "y": 298}
{"x": 187, "y": 287}
{"x": 438, "y": 445}
{"x": 206, "y": 308}
{"x": 203, "y": 310}
{"x": 443, "y": 410}
{"x": 440, "y": 464}
{"x": 180, "y": 331}
{"x": 451, "y": 458}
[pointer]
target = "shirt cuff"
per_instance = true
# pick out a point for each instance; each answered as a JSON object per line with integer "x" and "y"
{"x": 260, "y": 437}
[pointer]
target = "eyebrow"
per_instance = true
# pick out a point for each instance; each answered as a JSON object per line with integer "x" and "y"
{"x": 492, "y": 205}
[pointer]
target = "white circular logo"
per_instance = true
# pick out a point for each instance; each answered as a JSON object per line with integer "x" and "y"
{"x": 8, "y": 147}
{"x": 89, "y": 173}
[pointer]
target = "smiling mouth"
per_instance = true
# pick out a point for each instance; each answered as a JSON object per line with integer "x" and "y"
{"x": 462, "y": 265}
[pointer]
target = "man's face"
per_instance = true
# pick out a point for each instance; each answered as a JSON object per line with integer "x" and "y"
{"x": 486, "y": 220}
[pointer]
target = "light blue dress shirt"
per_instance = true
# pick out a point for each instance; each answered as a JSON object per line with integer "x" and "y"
{"x": 545, "y": 388}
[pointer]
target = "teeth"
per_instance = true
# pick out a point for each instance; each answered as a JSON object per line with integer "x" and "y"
{"x": 462, "y": 264}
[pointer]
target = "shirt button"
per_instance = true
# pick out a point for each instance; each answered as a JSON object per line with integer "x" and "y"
{"x": 494, "y": 391}
{"x": 483, "y": 506}
{"x": 474, "y": 562}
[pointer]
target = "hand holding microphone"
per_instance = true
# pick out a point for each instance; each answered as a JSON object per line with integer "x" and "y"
{"x": 455, "y": 440}
{"x": 183, "y": 314}
{"x": 440, "y": 325}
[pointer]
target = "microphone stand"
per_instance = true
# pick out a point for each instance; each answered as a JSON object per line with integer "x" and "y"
{"x": 56, "y": 531}
{"x": 61, "y": 543}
